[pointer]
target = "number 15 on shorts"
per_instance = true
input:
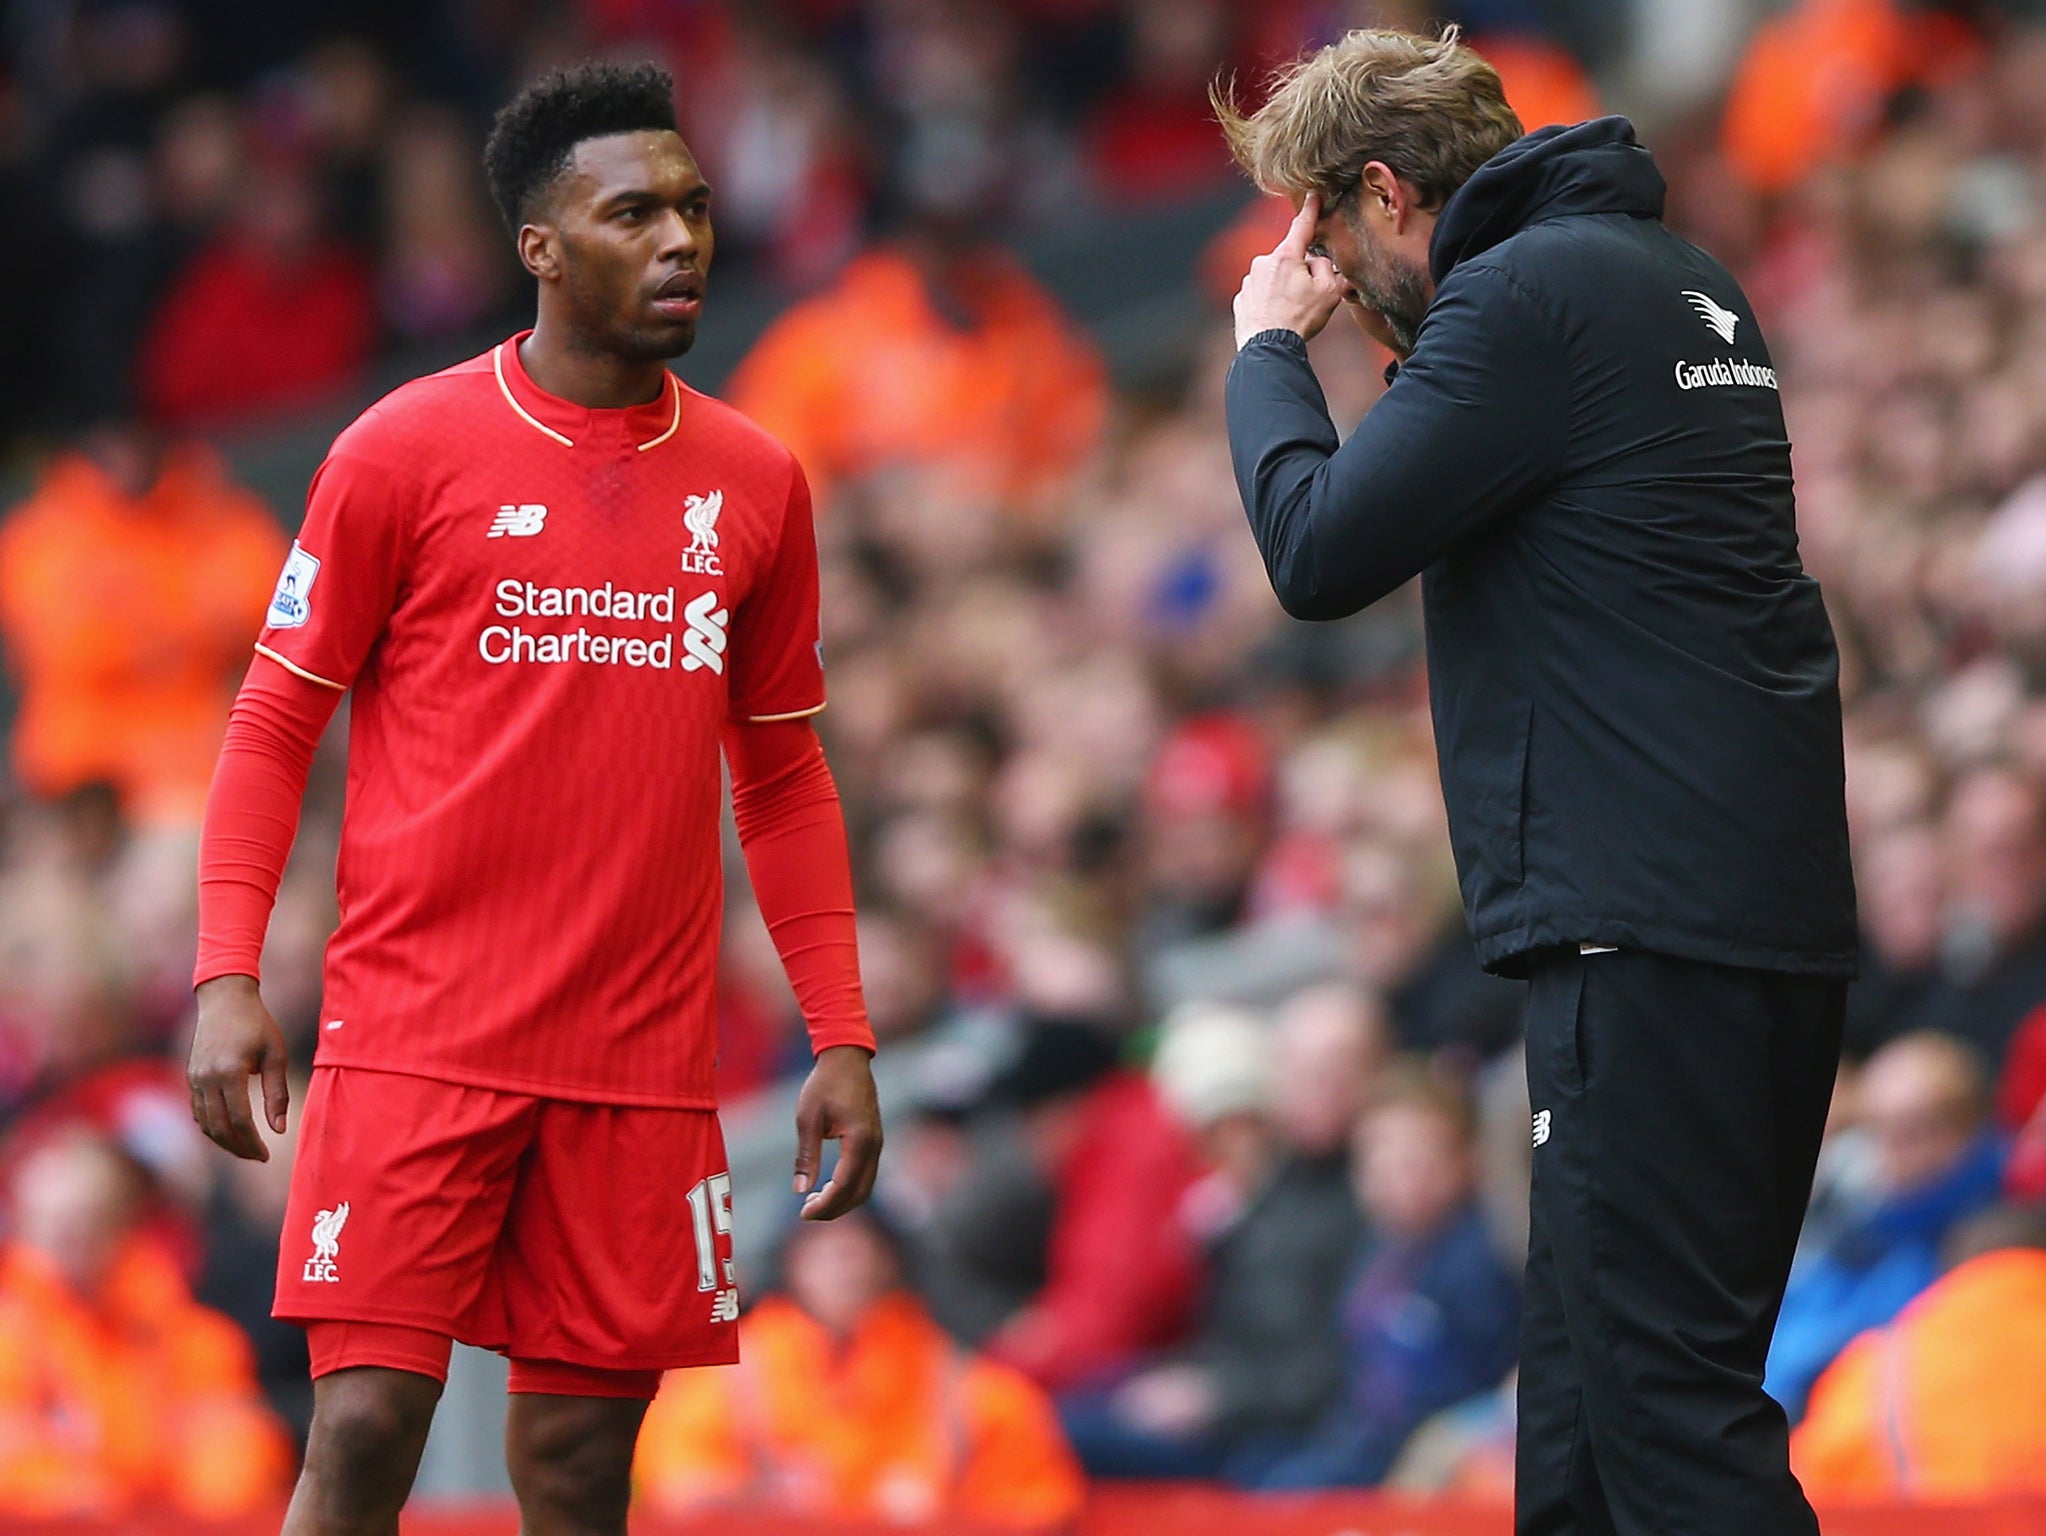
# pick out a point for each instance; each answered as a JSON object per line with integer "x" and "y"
{"x": 710, "y": 1212}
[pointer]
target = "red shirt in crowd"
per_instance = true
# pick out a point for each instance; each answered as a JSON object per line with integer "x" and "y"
{"x": 1123, "y": 1267}
{"x": 547, "y": 615}
{"x": 243, "y": 331}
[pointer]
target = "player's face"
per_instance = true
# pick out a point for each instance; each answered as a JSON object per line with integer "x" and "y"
{"x": 632, "y": 226}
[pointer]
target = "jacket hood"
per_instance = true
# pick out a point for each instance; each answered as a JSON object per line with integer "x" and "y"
{"x": 1594, "y": 167}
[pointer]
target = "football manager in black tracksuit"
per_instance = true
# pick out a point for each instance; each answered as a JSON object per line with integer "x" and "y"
{"x": 1637, "y": 714}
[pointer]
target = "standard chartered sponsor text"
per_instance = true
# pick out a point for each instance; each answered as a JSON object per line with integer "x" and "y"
{"x": 502, "y": 643}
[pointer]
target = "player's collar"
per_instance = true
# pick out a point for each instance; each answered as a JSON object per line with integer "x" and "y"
{"x": 646, "y": 426}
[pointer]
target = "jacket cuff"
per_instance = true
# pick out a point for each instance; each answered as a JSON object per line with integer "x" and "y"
{"x": 1291, "y": 340}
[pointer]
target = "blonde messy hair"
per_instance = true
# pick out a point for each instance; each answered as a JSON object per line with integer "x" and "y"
{"x": 1429, "y": 108}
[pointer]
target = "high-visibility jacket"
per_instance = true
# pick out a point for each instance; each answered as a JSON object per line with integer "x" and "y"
{"x": 127, "y": 622}
{"x": 1946, "y": 1402}
{"x": 1815, "y": 80}
{"x": 139, "y": 1398}
{"x": 1002, "y": 402}
{"x": 893, "y": 1423}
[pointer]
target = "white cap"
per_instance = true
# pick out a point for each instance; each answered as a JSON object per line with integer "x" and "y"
{"x": 1212, "y": 1062}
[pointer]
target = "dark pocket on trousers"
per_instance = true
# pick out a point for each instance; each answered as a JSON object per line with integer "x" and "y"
{"x": 1556, "y": 1047}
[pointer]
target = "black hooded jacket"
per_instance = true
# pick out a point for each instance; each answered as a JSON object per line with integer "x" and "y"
{"x": 1634, "y": 683}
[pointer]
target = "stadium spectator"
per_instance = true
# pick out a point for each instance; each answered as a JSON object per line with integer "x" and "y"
{"x": 1901, "y": 877}
{"x": 991, "y": 1097}
{"x": 1846, "y": 1183}
{"x": 1544, "y": 84}
{"x": 1938, "y": 1160}
{"x": 1120, "y": 1270}
{"x": 936, "y": 356}
{"x": 2021, "y": 1106}
{"x": 129, "y": 582}
{"x": 1993, "y": 953}
{"x": 1278, "y": 1227}
{"x": 788, "y": 152}
{"x": 138, "y": 1106}
{"x": 1206, "y": 817}
{"x": 1406, "y": 942}
{"x": 1432, "y": 1315}
{"x": 1944, "y": 1402}
{"x": 118, "y": 1393}
{"x": 1329, "y": 1046}
{"x": 850, "y": 1403}
{"x": 273, "y": 314}
{"x": 90, "y": 125}
{"x": 1815, "y": 81}
{"x": 1155, "y": 138}
{"x": 244, "y": 1219}
{"x": 443, "y": 270}
{"x": 60, "y": 1005}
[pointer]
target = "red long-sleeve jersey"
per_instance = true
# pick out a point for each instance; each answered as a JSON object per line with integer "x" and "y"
{"x": 550, "y": 617}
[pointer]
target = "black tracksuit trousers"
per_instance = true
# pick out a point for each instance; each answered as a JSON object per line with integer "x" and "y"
{"x": 1678, "y": 1111}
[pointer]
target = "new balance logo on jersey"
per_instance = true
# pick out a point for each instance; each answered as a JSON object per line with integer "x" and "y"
{"x": 327, "y": 1245}
{"x": 700, "y": 517}
{"x": 726, "y": 1308}
{"x": 1541, "y": 1126}
{"x": 517, "y": 522}
{"x": 704, "y": 641}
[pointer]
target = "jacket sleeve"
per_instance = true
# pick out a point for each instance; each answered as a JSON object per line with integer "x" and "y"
{"x": 1472, "y": 426}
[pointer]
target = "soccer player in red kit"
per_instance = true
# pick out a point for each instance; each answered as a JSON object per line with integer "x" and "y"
{"x": 558, "y": 582}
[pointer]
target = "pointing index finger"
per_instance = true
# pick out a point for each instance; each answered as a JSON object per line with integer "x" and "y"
{"x": 1300, "y": 233}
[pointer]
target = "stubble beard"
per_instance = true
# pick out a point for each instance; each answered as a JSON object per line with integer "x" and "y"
{"x": 649, "y": 344}
{"x": 1396, "y": 289}
{"x": 602, "y": 333}
{"x": 1399, "y": 293}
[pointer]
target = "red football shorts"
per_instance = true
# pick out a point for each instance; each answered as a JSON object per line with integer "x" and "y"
{"x": 582, "y": 1240}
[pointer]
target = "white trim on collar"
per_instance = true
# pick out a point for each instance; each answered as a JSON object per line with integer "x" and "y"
{"x": 674, "y": 421}
{"x": 497, "y": 365}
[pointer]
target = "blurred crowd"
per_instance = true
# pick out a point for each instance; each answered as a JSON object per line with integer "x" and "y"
{"x": 208, "y": 176}
{"x": 1208, "y": 1139}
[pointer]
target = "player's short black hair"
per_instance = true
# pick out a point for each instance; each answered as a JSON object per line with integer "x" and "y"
{"x": 533, "y": 137}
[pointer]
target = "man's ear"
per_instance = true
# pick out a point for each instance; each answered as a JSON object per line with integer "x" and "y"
{"x": 539, "y": 251}
{"x": 1381, "y": 194}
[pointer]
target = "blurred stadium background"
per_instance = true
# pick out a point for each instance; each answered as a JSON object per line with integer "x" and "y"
{"x": 1207, "y": 1139}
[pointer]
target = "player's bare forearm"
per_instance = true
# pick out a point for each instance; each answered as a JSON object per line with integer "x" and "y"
{"x": 236, "y": 1039}
{"x": 838, "y": 1103}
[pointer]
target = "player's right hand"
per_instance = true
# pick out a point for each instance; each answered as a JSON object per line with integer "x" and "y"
{"x": 234, "y": 1040}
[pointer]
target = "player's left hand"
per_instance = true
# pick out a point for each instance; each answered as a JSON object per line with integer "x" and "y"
{"x": 838, "y": 1103}
{"x": 1288, "y": 289}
